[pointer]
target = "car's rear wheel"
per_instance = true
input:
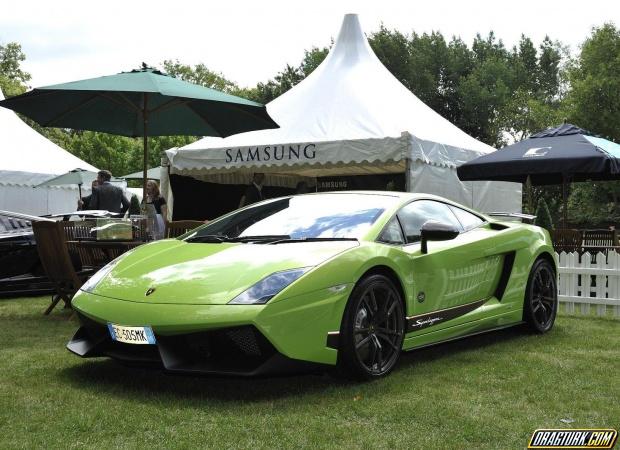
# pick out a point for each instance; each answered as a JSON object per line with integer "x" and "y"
{"x": 541, "y": 297}
{"x": 372, "y": 329}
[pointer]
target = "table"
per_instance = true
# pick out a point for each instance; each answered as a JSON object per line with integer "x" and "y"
{"x": 111, "y": 249}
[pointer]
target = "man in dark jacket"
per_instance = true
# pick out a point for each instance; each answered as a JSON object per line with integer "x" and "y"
{"x": 108, "y": 197}
{"x": 84, "y": 202}
{"x": 254, "y": 192}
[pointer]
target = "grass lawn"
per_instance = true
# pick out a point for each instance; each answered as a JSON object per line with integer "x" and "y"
{"x": 489, "y": 391}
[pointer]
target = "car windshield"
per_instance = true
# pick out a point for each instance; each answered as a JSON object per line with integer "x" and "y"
{"x": 316, "y": 216}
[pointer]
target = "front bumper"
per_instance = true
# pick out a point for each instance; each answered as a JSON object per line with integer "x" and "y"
{"x": 238, "y": 351}
{"x": 280, "y": 337}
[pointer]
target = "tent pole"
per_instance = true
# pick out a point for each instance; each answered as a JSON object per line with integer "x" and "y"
{"x": 407, "y": 174}
{"x": 145, "y": 144}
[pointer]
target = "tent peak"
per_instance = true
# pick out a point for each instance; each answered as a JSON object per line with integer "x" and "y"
{"x": 351, "y": 43}
{"x": 566, "y": 129}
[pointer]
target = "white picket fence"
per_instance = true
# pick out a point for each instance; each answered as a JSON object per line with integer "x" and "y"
{"x": 590, "y": 280}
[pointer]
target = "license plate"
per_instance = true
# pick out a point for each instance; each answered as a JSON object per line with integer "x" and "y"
{"x": 131, "y": 335}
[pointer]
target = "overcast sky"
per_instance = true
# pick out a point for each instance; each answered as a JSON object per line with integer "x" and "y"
{"x": 250, "y": 41}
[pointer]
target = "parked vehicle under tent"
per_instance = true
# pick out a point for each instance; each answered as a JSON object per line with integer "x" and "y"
{"x": 349, "y": 119}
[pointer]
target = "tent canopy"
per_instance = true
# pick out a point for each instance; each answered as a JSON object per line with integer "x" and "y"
{"x": 31, "y": 154}
{"x": 28, "y": 159}
{"x": 350, "y": 116}
{"x": 351, "y": 109}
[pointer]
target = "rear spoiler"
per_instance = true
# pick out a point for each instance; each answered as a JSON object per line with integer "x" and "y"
{"x": 527, "y": 218}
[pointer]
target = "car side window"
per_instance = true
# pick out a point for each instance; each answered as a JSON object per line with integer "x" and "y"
{"x": 392, "y": 233}
{"x": 415, "y": 214}
{"x": 467, "y": 219}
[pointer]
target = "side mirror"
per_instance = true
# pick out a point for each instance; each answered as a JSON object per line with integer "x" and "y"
{"x": 436, "y": 231}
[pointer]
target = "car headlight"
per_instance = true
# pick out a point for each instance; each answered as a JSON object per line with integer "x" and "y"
{"x": 93, "y": 281}
{"x": 268, "y": 287}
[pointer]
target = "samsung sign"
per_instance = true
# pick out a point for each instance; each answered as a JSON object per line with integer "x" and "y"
{"x": 296, "y": 152}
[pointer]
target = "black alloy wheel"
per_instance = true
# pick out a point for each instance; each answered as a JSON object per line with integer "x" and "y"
{"x": 373, "y": 329}
{"x": 541, "y": 297}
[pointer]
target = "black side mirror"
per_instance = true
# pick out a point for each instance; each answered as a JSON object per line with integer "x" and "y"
{"x": 436, "y": 231}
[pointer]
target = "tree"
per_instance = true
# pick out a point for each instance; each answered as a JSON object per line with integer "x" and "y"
{"x": 549, "y": 70}
{"x": 201, "y": 75}
{"x": 594, "y": 98}
{"x": 12, "y": 78}
{"x": 312, "y": 59}
{"x": 134, "y": 205}
{"x": 525, "y": 62}
{"x": 593, "y": 103}
{"x": 543, "y": 217}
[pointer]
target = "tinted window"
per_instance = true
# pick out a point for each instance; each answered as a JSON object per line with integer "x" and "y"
{"x": 392, "y": 233}
{"x": 467, "y": 219}
{"x": 308, "y": 216}
{"x": 415, "y": 214}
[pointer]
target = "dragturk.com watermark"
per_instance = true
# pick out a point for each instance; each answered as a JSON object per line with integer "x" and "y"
{"x": 579, "y": 438}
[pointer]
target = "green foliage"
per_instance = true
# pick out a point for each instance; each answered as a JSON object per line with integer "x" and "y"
{"x": 200, "y": 74}
{"x": 543, "y": 216}
{"x": 594, "y": 97}
{"x": 12, "y": 78}
{"x": 287, "y": 78}
{"x": 594, "y": 203}
{"x": 593, "y": 103}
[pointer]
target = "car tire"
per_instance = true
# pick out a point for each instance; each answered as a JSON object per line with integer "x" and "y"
{"x": 540, "y": 305}
{"x": 372, "y": 330}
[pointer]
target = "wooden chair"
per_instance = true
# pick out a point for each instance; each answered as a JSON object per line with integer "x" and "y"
{"x": 88, "y": 258}
{"x": 567, "y": 240}
{"x": 56, "y": 261}
{"x": 179, "y": 227}
{"x": 602, "y": 241}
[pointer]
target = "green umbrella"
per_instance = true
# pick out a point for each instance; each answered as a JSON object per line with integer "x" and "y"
{"x": 151, "y": 174}
{"x": 75, "y": 176}
{"x": 144, "y": 103}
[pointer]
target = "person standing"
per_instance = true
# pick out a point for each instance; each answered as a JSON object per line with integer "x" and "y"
{"x": 254, "y": 192}
{"x": 154, "y": 206}
{"x": 153, "y": 197}
{"x": 84, "y": 202}
{"x": 302, "y": 188}
{"x": 108, "y": 197}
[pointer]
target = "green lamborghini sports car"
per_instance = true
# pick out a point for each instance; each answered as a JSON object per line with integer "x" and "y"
{"x": 346, "y": 280}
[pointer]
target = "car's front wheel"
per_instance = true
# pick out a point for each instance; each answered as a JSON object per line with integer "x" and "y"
{"x": 372, "y": 330}
{"x": 541, "y": 297}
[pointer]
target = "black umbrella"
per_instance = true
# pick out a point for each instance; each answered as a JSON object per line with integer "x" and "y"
{"x": 557, "y": 155}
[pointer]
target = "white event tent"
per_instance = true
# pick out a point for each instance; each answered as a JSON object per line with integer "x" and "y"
{"x": 26, "y": 159}
{"x": 351, "y": 116}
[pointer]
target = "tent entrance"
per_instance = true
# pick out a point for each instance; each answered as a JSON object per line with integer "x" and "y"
{"x": 199, "y": 197}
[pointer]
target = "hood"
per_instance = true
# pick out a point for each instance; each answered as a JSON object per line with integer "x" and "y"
{"x": 206, "y": 274}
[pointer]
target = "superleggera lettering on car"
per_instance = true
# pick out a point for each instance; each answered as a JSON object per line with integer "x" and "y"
{"x": 428, "y": 322}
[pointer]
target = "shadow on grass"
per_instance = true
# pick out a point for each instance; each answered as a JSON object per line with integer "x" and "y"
{"x": 113, "y": 378}
{"x": 461, "y": 345}
{"x": 110, "y": 376}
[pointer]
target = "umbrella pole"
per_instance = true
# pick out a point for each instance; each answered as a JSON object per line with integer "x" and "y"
{"x": 80, "y": 190}
{"x": 565, "y": 202}
{"x": 145, "y": 144}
